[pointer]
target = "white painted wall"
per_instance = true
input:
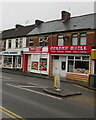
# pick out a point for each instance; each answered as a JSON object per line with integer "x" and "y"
{"x": 13, "y": 45}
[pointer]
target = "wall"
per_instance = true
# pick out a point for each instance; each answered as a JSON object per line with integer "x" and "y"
{"x": 84, "y": 78}
{"x": 53, "y": 38}
{"x": 13, "y": 47}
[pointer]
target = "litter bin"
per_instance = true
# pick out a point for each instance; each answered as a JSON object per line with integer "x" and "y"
{"x": 92, "y": 80}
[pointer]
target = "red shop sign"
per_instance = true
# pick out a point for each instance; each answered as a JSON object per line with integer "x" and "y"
{"x": 35, "y": 49}
{"x": 83, "y": 49}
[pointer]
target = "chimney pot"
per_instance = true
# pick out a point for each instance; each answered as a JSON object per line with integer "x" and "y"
{"x": 65, "y": 15}
{"x": 37, "y": 22}
{"x": 18, "y": 25}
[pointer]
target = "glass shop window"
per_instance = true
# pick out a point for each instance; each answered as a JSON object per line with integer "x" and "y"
{"x": 70, "y": 66}
{"x": 19, "y": 61}
{"x": 7, "y": 61}
{"x": 43, "y": 64}
{"x": 56, "y": 57}
{"x": 70, "y": 57}
{"x": 79, "y": 65}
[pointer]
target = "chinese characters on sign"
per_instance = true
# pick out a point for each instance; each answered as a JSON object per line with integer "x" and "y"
{"x": 71, "y": 49}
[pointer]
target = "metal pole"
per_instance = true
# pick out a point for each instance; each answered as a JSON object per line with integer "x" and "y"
{"x": 57, "y": 82}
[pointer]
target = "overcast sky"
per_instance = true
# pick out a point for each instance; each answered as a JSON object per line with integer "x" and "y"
{"x": 26, "y": 13}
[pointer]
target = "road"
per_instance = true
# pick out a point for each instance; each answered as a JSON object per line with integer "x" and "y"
{"x": 23, "y": 97}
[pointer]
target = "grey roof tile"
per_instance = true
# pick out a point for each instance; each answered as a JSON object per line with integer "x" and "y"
{"x": 16, "y": 32}
{"x": 74, "y": 23}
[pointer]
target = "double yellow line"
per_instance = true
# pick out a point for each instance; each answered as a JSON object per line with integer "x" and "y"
{"x": 10, "y": 114}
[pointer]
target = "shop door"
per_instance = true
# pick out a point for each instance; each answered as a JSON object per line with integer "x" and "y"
{"x": 62, "y": 66}
{"x": 29, "y": 62}
{"x": 14, "y": 61}
{"x": 59, "y": 66}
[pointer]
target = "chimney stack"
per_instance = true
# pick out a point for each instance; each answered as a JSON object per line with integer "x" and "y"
{"x": 18, "y": 25}
{"x": 37, "y": 22}
{"x": 65, "y": 15}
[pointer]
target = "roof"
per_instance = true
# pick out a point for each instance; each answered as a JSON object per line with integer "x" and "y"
{"x": 16, "y": 32}
{"x": 71, "y": 24}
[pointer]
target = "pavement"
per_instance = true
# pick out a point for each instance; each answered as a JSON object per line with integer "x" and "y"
{"x": 53, "y": 91}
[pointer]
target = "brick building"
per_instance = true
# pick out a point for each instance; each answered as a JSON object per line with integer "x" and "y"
{"x": 12, "y": 42}
{"x": 62, "y": 47}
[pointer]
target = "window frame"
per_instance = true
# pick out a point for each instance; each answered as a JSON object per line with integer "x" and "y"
{"x": 75, "y": 35}
{"x": 80, "y": 60}
{"x": 40, "y": 41}
{"x": 82, "y": 36}
{"x": 9, "y": 43}
{"x": 59, "y": 42}
{"x": 30, "y": 43}
{"x": 18, "y": 42}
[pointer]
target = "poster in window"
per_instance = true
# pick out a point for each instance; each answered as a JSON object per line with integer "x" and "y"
{"x": 43, "y": 66}
{"x": 34, "y": 65}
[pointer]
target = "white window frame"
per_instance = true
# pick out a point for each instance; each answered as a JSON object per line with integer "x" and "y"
{"x": 30, "y": 41}
{"x": 83, "y": 39}
{"x": 19, "y": 42}
{"x": 75, "y": 39}
{"x": 78, "y": 60}
{"x": 60, "y": 40}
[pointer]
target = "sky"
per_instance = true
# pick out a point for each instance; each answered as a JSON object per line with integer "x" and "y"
{"x": 26, "y": 12}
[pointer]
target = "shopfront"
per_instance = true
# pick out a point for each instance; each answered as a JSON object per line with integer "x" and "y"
{"x": 71, "y": 61}
{"x": 36, "y": 60}
{"x": 12, "y": 59}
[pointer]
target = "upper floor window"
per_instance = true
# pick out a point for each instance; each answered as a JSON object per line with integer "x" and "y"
{"x": 43, "y": 41}
{"x": 19, "y": 43}
{"x": 60, "y": 40}
{"x": 30, "y": 42}
{"x": 83, "y": 40}
{"x": 9, "y": 43}
{"x": 1, "y": 43}
{"x": 40, "y": 41}
{"x": 16, "y": 43}
{"x": 75, "y": 39}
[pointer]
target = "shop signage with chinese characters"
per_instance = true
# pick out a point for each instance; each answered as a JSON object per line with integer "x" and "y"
{"x": 84, "y": 49}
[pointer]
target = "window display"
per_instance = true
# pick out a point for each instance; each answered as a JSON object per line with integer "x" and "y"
{"x": 7, "y": 61}
{"x": 80, "y": 64}
{"x": 12, "y": 62}
{"x": 43, "y": 64}
{"x": 34, "y": 65}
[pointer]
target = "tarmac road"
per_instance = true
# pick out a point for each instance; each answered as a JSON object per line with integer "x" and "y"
{"x": 24, "y": 96}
